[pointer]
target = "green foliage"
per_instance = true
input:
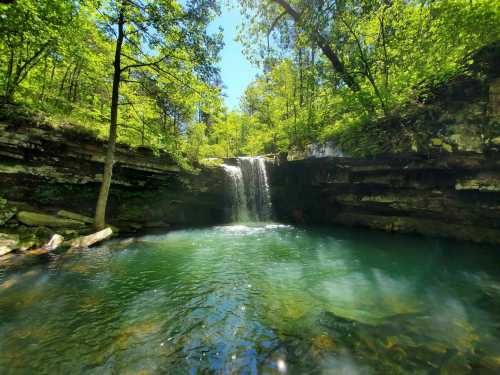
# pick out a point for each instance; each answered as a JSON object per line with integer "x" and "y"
{"x": 56, "y": 60}
{"x": 68, "y": 48}
{"x": 30, "y": 29}
{"x": 397, "y": 52}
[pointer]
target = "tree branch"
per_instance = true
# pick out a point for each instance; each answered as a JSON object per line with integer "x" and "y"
{"x": 140, "y": 64}
{"x": 316, "y": 36}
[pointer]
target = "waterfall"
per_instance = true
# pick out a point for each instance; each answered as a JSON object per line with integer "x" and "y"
{"x": 249, "y": 190}
{"x": 237, "y": 193}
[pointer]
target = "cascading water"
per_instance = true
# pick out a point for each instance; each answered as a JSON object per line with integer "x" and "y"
{"x": 239, "y": 210}
{"x": 250, "y": 196}
{"x": 257, "y": 187}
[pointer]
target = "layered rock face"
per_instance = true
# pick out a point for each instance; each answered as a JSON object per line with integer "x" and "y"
{"x": 449, "y": 195}
{"x": 43, "y": 170}
{"x": 443, "y": 178}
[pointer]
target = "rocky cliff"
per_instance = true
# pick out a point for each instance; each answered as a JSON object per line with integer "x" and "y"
{"x": 454, "y": 195}
{"x": 43, "y": 170}
{"x": 440, "y": 174}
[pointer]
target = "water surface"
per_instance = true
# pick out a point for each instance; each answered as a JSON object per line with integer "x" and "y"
{"x": 255, "y": 299}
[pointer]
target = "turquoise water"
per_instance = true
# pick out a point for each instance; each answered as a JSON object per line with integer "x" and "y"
{"x": 256, "y": 299}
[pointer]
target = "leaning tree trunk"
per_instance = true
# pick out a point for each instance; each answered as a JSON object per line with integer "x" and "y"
{"x": 102, "y": 202}
{"x": 323, "y": 44}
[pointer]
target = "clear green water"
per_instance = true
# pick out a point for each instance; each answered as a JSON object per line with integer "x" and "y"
{"x": 264, "y": 299}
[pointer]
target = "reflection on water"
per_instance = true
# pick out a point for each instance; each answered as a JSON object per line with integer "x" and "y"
{"x": 248, "y": 299}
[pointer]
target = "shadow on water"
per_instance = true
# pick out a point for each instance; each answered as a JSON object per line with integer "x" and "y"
{"x": 256, "y": 298}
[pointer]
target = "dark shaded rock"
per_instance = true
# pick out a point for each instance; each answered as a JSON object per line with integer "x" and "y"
{"x": 455, "y": 195}
{"x": 340, "y": 327}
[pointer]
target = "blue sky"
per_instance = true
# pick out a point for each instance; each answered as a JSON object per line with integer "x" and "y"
{"x": 236, "y": 71}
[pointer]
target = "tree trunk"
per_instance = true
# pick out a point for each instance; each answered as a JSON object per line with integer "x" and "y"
{"x": 44, "y": 80}
{"x": 63, "y": 81}
{"x": 8, "y": 76}
{"x": 317, "y": 38}
{"x": 76, "y": 88}
{"x": 15, "y": 75}
{"x": 102, "y": 202}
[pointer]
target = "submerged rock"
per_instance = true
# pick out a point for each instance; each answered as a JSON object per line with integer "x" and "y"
{"x": 340, "y": 327}
{"x": 323, "y": 343}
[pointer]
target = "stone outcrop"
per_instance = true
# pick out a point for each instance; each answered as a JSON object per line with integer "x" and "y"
{"x": 450, "y": 195}
{"x": 440, "y": 175}
{"x": 50, "y": 172}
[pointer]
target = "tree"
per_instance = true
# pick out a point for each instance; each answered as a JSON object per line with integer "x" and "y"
{"x": 150, "y": 36}
{"x": 393, "y": 50}
{"x": 317, "y": 37}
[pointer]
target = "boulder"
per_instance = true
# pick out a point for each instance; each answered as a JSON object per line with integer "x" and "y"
{"x": 36, "y": 219}
{"x": 87, "y": 241}
{"x": 8, "y": 243}
{"x": 75, "y": 216}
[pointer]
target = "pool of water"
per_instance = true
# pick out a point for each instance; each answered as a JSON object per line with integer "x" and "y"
{"x": 255, "y": 299}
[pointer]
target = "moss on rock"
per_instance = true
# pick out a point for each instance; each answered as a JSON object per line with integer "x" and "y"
{"x": 38, "y": 219}
{"x": 6, "y": 212}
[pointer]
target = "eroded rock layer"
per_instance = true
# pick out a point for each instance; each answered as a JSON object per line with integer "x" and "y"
{"x": 449, "y": 195}
{"x": 43, "y": 170}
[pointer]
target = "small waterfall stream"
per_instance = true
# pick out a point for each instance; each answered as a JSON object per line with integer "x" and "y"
{"x": 250, "y": 195}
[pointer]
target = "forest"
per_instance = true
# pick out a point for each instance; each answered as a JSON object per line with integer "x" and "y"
{"x": 145, "y": 73}
{"x": 338, "y": 213}
{"x": 330, "y": 70}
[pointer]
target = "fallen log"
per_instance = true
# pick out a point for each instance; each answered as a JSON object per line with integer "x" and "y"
{"x": 55, "y": 242}
{"x": 87, "y": 241}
